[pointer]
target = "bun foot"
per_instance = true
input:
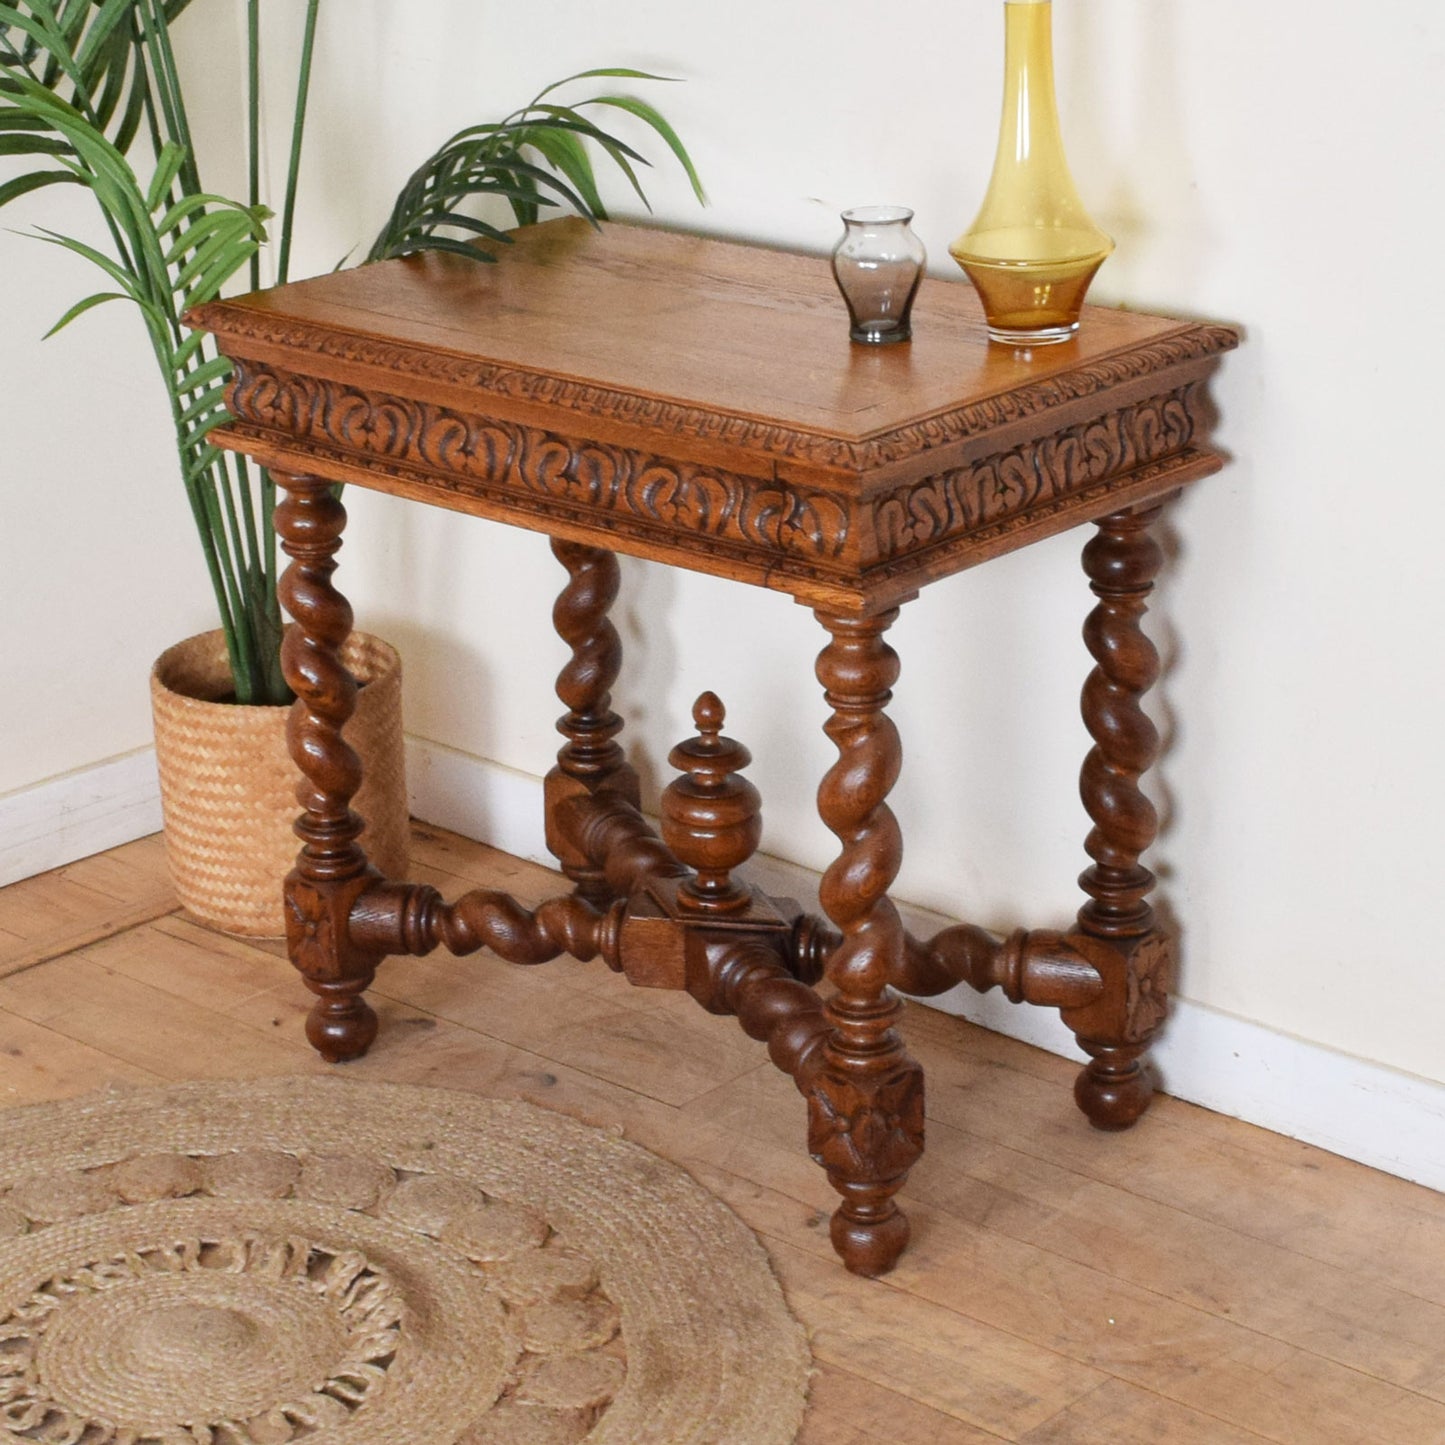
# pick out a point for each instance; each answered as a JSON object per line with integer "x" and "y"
{"x": 1115, "y": 1089}
{"x": 870, "y": 1247}
{"x": 341, "y": 1029}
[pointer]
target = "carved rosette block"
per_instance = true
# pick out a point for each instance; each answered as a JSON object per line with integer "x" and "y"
{"x": 331, "y": 869}
{"x": 1117, "y": 928}
{"x": 865, "y": 1100}
{"x": 591, "y": 760}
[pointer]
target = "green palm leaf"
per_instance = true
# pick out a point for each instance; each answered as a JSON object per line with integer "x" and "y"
{"x": 81, "y": 80}
{"x": 81, "y": 307}
{"x": 654, "y": 118}
{"x": 22, "y": 185}
{"x": 493, "y": 161}
{"x": 86, "y": 51}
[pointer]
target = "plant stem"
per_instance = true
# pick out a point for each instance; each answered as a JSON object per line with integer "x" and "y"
{"x": 298, "y": 130}
{"x": 272, "y": 570}
{"x": 252, "y": 559}
{"x": 156, "y": 30}
{"x": 253, "y": 118}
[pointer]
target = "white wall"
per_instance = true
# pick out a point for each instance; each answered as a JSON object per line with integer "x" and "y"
{"x": 98, "y": 572}
{"x": 1255, "y": 165}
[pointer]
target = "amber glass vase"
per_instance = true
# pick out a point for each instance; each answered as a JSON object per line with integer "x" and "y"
{"x": 1032, "y": 250}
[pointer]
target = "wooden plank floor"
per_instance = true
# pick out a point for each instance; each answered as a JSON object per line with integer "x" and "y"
{"x": 1196, "y": 1280}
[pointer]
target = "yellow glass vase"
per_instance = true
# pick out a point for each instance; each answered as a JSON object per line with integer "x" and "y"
{"x": 1032, "y": 250}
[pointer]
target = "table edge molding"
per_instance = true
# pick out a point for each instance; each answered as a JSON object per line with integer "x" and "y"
{"x": 239, "y": 327}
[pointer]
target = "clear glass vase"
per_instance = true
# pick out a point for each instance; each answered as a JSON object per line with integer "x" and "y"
{"x": 1033, "y": 250}
{"x": 878, "y": 265}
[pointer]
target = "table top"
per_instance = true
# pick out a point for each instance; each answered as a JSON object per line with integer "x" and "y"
{"x": 699, "y": 400}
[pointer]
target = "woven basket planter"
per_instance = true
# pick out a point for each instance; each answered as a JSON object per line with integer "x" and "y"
{"x": 228, "y": 785}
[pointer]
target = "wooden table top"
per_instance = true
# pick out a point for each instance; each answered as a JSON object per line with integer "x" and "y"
{"x": 711, "y": 407}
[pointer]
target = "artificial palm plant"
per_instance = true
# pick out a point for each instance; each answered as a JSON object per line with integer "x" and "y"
{"x": 91, "y": 94}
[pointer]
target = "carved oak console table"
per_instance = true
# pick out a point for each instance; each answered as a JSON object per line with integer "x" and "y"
{"x": 699, "y": 403}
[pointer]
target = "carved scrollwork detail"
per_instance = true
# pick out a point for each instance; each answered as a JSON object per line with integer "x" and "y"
{"x": 673, "y": 495}
{"x": 806, "y": 535}
{"x": 239, "y": 323}
{"x": 1034, "y": 474}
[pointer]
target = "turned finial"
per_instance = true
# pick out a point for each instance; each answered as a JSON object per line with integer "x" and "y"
{"x": 711, "y": 818}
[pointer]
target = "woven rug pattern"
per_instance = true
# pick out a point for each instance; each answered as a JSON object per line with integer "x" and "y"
{"x": 359, "y": 1264}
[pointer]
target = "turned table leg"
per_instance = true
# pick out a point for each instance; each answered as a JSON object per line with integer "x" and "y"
{"x": 1118, "y": 927}
{"x": 865, "y": 1095}
{"x": 331, "y": 869}
{"x": 591, "y": 760}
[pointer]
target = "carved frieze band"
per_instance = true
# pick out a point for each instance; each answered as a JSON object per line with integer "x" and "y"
{"x": 803, "y": 533}
{"x": 240, "y": 324}
{"x": 1018, "y": 482}
{"x": 605, "y": 480}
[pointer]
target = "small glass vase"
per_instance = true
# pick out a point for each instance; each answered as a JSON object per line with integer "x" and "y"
{"x": 1033, "y": 250}
{"x": 878, "y": 265}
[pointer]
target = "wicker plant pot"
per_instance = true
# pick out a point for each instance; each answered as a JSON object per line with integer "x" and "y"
{"x": 228, "y": 785}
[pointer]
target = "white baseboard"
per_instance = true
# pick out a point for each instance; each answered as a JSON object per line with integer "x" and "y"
{"x": 1361, "y": 1110}
{"x": 1364, "y": 1111}
{"x": 55, "y": 822}
{"x": 477, "y": 798}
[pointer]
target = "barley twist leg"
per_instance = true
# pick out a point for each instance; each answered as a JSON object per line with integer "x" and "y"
{"x": 331, "y": 869}
{"x": 591, "y": 760}
{"x": 1117, "y": 927}
{"x": 865, "y": 1118}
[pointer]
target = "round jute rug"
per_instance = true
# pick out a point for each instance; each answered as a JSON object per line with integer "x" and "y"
{"x": 334, "y": 1263}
